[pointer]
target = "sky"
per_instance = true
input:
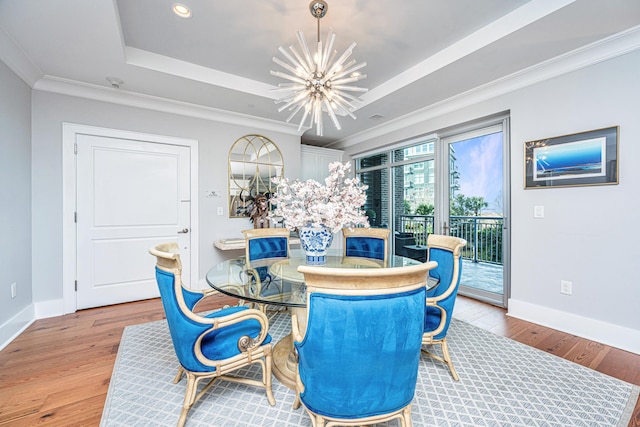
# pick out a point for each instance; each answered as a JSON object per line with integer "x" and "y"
{"x": 479, "y": 162}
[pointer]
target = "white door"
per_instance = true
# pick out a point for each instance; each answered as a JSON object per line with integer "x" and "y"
{"x": 131, "y": 195}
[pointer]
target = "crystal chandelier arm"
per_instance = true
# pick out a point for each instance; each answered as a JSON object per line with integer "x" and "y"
{"x": 295, "y": 100}
{"x": 344, "y": 67}
{"x": 305, "y": 49}
{"x": 327, "y": 50}
{"x": 284, "y": 107}
{"x": 301, "y": 61}
{"x": 295, "y": 111}
{"x": 301, "y": 66}
{"x": 351, "y": 88}
{"x": 347, "y": 95}
{"x": 317, "y": 116}
{"x": 289, "y": 86}
{"x": 286, "y": 66}
{"x": 347, "y": 71}
{"x": 332, "y": 114}
{"x": 285, "y": 98}
{"x": 336, "y": 66}
{"x": 288, "y": 77}
{"x": 340, "y": 102}
{"x": 337, "y": 83}
{"x": 304, "y": 116}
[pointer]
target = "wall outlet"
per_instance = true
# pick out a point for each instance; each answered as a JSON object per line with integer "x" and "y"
{"x": 566, "y": 287}
{"x": 14, "y": 290}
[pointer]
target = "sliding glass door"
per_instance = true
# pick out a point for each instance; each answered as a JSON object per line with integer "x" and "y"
{"x": 456, "y": 184}
{"x": 473, "y": 208}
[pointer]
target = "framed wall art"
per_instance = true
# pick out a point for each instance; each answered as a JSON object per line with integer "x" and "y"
{"x": 586, "y": 158}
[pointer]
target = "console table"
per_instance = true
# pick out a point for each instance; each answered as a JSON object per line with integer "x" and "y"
{"x": 238, "y": 243}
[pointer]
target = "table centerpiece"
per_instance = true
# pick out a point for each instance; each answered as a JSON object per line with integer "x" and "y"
{"x": 318, "y": 211}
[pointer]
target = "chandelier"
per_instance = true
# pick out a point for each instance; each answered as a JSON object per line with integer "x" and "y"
{"x": 320, "y": 82}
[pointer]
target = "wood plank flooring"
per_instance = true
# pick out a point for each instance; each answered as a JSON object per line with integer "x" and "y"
{"x": 57, "y": 372}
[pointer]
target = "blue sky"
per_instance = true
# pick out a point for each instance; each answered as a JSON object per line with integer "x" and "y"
{"x": 479, "y": 162}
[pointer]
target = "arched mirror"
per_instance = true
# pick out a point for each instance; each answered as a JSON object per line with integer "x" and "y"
{"x": 253, "y": 161}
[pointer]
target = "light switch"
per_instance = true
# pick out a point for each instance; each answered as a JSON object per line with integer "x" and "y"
{"x": 220, "y": 211}
{"x": 538, "y": 211}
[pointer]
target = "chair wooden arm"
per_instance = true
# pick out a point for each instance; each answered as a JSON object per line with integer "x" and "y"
{"x": 443, "y": 318}
{"x": 295, "y": 329}
{"x": 246, "y": 344}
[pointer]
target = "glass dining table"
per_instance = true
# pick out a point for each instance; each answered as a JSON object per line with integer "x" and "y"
{"x": 277, "y": 282}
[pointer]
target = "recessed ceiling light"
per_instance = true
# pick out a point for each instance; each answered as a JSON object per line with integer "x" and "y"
{"x": 181, "y": 10}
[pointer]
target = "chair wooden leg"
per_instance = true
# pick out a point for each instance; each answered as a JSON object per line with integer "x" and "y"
{"x": 296, "y": 401}
{"x": 405, "y": 421}
{"x": 178, "y": 376}
{"x": 267, "y": 379}
{"x": 447, "y": 359}
{"x": 189, "y": 397}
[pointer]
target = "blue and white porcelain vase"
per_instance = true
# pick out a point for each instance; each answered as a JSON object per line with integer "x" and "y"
{"x": 315, "y": 241}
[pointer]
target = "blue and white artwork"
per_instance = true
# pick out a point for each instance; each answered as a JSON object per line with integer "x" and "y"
{"x": 579, "y": 159}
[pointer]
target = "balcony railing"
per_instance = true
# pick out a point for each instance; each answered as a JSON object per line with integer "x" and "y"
{"x": 482, "y": 233}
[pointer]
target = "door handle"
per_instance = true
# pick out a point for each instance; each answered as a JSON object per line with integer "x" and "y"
{"x": 183, "y": 231}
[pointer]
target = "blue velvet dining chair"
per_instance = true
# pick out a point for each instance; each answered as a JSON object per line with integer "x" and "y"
{"x": 209, "y": 347}
{"x": 367, "y": 243}
{"x": 447, "y": 252}
{"x": 263, "y": 245}
{"x": 359, "y": 342}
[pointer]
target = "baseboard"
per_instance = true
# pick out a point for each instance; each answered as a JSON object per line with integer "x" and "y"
{"x": 595, "y": 330}
{"x": 16, "y": 325}
{"x": 51, "y": 308}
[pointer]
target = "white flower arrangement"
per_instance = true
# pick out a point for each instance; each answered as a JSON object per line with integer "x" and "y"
{"x": 335, "y": 205}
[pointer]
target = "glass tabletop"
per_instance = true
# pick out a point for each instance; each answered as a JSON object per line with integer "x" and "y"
{"x": 278, "y": 282}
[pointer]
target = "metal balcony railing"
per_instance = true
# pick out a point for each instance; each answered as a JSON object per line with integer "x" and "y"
{"x": 482, "y": 233}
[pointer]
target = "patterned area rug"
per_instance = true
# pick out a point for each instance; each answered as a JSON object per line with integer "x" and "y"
{"x": 502, "y": 383}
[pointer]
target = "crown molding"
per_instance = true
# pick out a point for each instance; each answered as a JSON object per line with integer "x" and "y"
{"x": 496, "y": 30}
{"x": 17, "y": 60}
{"x": 600, "y": 51}
{"x": 172, "y": 66}
{"x": 134, "y": 99}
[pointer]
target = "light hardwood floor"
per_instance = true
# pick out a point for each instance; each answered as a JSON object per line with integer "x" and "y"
{"x": 57, "y": 372}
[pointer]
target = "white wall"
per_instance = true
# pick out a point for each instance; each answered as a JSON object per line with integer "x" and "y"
{"x": 15, "y": 203}
{"x": 590, "y": 235}
{"x": 215, "y": 138}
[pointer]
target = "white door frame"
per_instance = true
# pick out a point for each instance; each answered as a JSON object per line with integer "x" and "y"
{"x": 69, "y": 134}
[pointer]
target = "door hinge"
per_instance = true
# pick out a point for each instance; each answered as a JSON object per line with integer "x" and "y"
{"x": 75, "y": 217}
{"x": 76, "y": 285}
{"x": 75, "y": 148}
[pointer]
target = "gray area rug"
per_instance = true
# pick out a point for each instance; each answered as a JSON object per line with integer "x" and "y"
{"x": 502, "y": 383}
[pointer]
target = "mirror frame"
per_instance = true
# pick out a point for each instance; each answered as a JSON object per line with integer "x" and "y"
{"x": 253, "y": 161}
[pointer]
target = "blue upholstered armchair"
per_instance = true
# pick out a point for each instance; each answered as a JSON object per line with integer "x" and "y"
{"x": 359, "y": 345}
{"x": 213, "y": 345}
{"x": 264, "y": 244}
{"x": 367, "y": 243}
{"x": 446, "y": 251}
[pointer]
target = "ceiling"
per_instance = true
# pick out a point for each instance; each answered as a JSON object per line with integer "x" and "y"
{"x": 418, "y": 52}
